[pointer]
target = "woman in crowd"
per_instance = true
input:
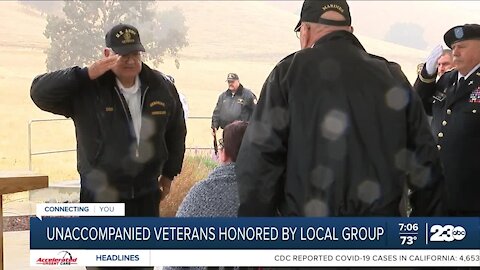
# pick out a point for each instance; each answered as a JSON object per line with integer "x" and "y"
{"x": 217, "y": 195}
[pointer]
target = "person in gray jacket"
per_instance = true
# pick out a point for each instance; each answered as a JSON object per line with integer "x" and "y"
{"x": 236, "y": 103}
{"x": 217, "y": 195}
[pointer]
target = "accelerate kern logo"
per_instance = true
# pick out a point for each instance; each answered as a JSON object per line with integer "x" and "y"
{"x": 447, "y": 233}
{"x": 62, "y": 258}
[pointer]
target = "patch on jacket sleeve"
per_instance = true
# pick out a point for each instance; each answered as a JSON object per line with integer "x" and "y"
{"x": 419, "y": 68}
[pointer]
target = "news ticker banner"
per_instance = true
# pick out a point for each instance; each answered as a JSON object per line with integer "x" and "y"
{"x": 123, "y": 241}
{"x": 266, "y": 258}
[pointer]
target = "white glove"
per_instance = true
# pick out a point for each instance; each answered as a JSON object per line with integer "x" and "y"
{"x": 431, "y": 63}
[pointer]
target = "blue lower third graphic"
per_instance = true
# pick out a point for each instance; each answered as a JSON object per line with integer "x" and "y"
{"x": 115, "y": 233}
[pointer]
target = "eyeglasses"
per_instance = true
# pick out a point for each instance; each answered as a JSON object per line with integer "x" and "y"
{"x": 297, "y": 31}
{"x": 220, "y": 142}
{"x": 136, "y": 56}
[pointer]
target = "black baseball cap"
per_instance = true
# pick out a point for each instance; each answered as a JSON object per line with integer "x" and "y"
{"x": 460, "y": 33}
{"x": 124, "y": 39}
{"x": 313, "y": 9}
{"x": 232, "y": 77}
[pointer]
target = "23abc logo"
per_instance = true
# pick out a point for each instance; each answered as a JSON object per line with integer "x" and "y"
{"x": 447, "y": 233}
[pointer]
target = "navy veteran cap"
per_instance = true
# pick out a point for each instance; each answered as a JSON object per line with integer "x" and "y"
{"x": 124, "y": 39}
{"x": 232, "y": 77}
{"x": 313, "y": 9}
{"x": 460, "y": 33}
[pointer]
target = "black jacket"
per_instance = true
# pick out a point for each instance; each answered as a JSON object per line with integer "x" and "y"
{"x": 233, "y": 107}
{"x": 456, "y": 126}
{"x": 337, "y": 132}
{"x": 109, "y": 158}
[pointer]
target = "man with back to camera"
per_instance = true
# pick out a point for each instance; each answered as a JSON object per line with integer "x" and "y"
{"x": 236, "y": 103}
{"x": 129, "y": 124}
{"x": 336, "y": 131}
{"x": 454, "y": 103}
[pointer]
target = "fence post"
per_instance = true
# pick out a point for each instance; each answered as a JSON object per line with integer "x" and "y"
{"x": 30, "y": 145}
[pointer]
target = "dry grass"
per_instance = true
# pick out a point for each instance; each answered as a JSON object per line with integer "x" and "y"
{"x": 194, "y": 169}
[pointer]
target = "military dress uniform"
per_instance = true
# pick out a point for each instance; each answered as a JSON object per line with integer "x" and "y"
{"x": 454, "y": 104}
{"x": 455, "y": 107}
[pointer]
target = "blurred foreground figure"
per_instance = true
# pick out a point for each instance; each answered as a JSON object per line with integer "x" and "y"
{"x": 336, "y": 131}
{"x": 128, "y": 122}
{"x": 454, "y": 103}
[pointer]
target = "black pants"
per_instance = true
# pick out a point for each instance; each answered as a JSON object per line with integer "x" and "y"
{"x": 145, "y": 206}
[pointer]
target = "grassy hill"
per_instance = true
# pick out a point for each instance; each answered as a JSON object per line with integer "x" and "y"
{"x": 247, "y": 37}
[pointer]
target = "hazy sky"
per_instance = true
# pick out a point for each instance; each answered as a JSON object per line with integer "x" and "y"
{"x": 374, "y": 18}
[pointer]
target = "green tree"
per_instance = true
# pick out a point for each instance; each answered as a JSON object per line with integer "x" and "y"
{"x": 78, "y": 37}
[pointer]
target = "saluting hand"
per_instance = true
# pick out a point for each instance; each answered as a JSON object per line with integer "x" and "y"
{"x": 99, "y": 67}
{"x": 432, "y": 59}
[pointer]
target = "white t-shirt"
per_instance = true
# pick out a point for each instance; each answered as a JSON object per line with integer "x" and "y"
{"x": 133, "y": 97}
{"x": 183, "y": 100}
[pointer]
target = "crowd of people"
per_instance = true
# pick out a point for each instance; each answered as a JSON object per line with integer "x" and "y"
{"x": 336, "y": 131}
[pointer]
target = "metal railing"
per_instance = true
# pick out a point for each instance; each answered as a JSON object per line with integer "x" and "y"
{"x": 31, "y": 154}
